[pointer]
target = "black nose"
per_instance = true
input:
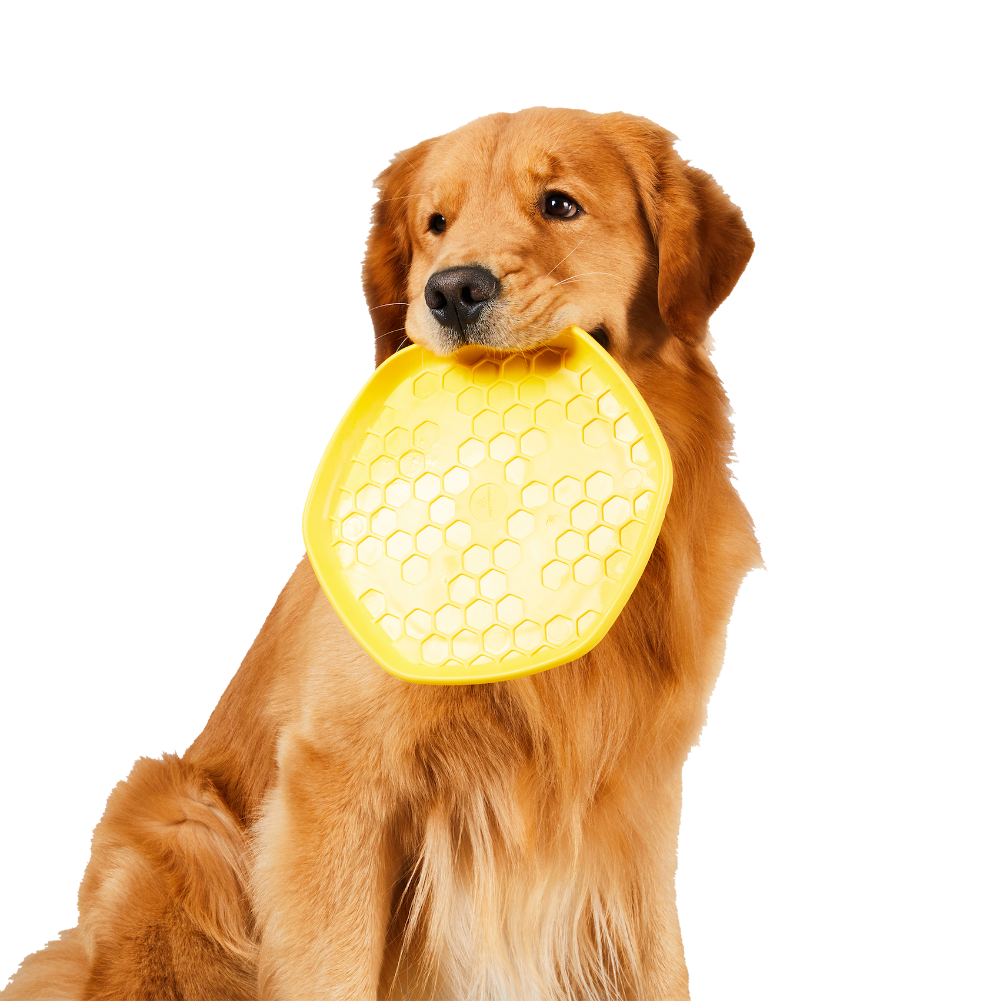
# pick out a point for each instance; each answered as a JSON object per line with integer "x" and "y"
{"x": 458, "y": 296}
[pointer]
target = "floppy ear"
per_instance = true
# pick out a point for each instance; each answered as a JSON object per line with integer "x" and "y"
{"x": 702, "y": 242}
{"x": 390, "y": 250}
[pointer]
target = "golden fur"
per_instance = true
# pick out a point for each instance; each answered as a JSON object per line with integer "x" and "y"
{"x": 337, "y": 833}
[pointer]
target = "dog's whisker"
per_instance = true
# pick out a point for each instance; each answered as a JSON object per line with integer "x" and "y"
{"x": 584, "y": 274}
{"x": 384, "y": 304}
{"x": 566, "y": 258}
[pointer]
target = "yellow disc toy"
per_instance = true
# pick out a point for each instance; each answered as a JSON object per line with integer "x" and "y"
{"x": 486, "y": 516}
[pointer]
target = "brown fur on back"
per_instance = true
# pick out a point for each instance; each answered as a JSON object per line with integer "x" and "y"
{"x": 337, "y": 833}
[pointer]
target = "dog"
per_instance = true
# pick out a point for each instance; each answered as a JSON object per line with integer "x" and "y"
{"x": 336, "y": 833}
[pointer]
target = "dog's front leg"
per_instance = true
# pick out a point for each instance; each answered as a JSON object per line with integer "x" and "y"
{"x": 321, "y": 886}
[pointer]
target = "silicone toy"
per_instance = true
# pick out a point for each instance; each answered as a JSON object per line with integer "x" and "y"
{"x": 486, "y": 516}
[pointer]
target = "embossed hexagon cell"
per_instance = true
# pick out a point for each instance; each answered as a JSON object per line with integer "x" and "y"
{"x": 425, "y": 385}
{"x": 586, "y": 622}
{"x": 502, "y": 447}
{"x": 640, "y": 454}
{"x": 616, "y": 511}
{"x": 475, "y": 559}
{"x": 417, "y": 624}
{"x": 397, "y": 492}
{"x": 580, "y": 409}
{"x": 500, "y": 396}
{"x": 535, "y": 494}
{"x": 492, "y": 584}
{"x": 354, "y": 527}
{"x": 427, "y": 486}
{"x": 392, "y": 626}
{"x": 510, "y": 609}
{"x": 528, "y": 635}
{"x": 462, "y": 589}
{"x": 548, "y": 414}
{"x": 632, "y": 477}
{"x": 567, "y": 491}
{"x": 442, "y": 510}
{"x": 425, "y": 435}
{"x": 398, "y": 545}
{"x": 471, "y": 452}
{"x": 456, "y": 480}
{"x": 429, "y": 539}
{"x": 602, "y": 540}
{"x": 485, "y": 373}
{"x": 485, "y": 423}
{"x": 586, "y": 570}
{"x": 583, "y": 515}
{"x": 643, "y": 502}
{"x": 629, "y": 535}
{"x": 414, "y": 569}
{"x": 434, "y": 649}
{"x": 521, "y": 524}
{"x": 596, "y": 433}
{"x": 547, "y": 362}
{"x": 516, "y": 418}
{"x": 515, "y": 368}
{"x": 448, "y": 619}
{"x": 507, "y": 554}
{"x": 397, "y": 441}
{"x": 533, "y": 442}
{"x": 516, "y": 471}
{"x": 465, "y": 645}
{"x": 531, "y": 390}
{"x": 479, "y": 614}
{"x": 558, "y": 629}
{"x": 374, "y": 602}
{"x": 598, "y": 486}
{"x": 554, "y": 573}
{"x": 470, "y": 401}
{"x": 345, "y": 553}
{"x": 458, "y": 534}
{"x": 569, "y": 545}
{"x": 383, "y": 521}
{"x": 383, "y": 469}
{"x": 411, "y": 463}
{"x": 496, "y": 639}
{"x": 591, "y": 383}
{"x": 453, "y": 380}
{"x": 369, "y": 550}
{"x": 625, "y": 429}
{"x": 616, "y": 565}
{"x": 608, "y": 405}
{"x": 368, "y": 498}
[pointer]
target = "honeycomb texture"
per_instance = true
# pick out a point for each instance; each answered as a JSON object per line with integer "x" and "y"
{"x": 486, "y": 515}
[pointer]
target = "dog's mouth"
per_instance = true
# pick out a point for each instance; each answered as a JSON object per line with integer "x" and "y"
{"x": 600, "y": 335}
{"x": 469, "y": 305}
{"x": 482, "y": 334}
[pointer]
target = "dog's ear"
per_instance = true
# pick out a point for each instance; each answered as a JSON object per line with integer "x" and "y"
{"x": 390, "y": 250}
{"x": 702, "y": 242}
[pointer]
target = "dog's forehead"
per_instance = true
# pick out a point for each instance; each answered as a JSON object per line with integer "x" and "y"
{"x": 515, "y": 153}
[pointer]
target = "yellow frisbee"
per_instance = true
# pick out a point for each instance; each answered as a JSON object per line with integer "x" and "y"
{"x": 486, "y": 516}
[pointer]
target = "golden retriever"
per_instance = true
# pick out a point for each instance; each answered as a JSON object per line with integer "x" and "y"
{"x": 337, "y": 833}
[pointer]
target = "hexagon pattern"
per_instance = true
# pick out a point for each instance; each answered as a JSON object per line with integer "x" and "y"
{"x": 504, "y": 419}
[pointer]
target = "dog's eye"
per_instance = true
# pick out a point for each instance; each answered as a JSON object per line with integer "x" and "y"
{"x": 555, "y": 203}
{"x": 438, "y": 223}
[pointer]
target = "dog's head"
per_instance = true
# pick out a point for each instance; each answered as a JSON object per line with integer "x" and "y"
{"x": 507, "y": 230}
